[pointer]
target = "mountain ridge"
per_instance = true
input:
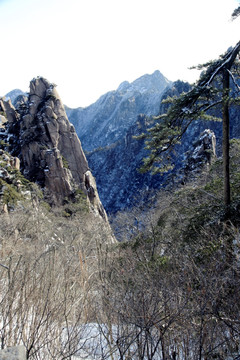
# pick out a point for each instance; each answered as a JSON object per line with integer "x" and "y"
{"x": 108, "y": 119}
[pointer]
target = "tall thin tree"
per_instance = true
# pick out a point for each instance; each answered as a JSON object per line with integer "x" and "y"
{"x": 193, "y": 105}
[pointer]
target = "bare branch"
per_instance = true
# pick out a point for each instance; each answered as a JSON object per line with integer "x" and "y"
{"x": 4, "y": 266}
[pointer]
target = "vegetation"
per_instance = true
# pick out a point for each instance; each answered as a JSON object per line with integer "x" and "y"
{"x": 45, "y": 284}
{"x": 2, "y": 113}
{"x": 76, "y": 205}
{"x": 236, "y": 13}
{"x": 175, "y": 284}
{"x": 210, "y": 91}
{"x": 9, "y": 194}
{"x": 65, "y": 162}
{"x": 168, "y": 290}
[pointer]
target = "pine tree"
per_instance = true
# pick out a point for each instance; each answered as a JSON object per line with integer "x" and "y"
{"x": 210, "y": 91}
{"x": 236, "y": 13}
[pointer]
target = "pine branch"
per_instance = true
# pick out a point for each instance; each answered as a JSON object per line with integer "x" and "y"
{"x": 236, "y": 13}
{"x": 234, "y": 80}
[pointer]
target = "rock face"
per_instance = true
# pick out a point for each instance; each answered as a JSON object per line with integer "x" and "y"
{"x": 205, "y": 149}
{"x": 51, "y": 151}
{"x": 8, "y": 111}
{"x": 121, "y": 183}
{"x": 48, "y": 146}
{"x": 203, "y": 152}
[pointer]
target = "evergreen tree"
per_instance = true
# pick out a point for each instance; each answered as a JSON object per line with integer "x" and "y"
{"x": 210, "y": 91}
{"x": 236, "y": 13}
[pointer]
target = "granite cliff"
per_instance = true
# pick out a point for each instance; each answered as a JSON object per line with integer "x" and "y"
{"x": 40, "y": 135}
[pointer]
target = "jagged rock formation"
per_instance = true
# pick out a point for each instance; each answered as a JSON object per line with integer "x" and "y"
{"x": 8, "y": 112}
{"x": 47, "y": 138}
{"x": 49, "y": 149}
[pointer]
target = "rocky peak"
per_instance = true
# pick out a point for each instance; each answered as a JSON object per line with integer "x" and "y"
{"x": 151, "y": 82}
{"x": 49, "y": 148}
{"x": 146, "y": 83}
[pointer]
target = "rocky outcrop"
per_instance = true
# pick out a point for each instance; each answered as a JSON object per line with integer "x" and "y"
{"x": 49, "y": 149}
{"x": 204, "y": 150}
{"x": 202, "y": 153}
{"x": 13, "y": 186}
{"x": 9, "y": 112}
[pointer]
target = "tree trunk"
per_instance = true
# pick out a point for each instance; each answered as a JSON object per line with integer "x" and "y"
{"x": 225, "y": 144}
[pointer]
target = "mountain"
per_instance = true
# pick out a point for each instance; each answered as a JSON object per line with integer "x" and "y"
{"x": 106, "y": 129}
{"x": 14, "y": 94}
{"x": 109, "y": 118}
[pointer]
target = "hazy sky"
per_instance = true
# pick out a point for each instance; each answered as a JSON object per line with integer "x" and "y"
{"x": 88, "y": 47}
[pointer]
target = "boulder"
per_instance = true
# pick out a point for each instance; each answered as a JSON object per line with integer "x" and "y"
{"x": 8, "y": 109}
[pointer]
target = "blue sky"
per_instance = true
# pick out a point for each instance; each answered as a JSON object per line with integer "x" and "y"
{"x": 88, "y": 47}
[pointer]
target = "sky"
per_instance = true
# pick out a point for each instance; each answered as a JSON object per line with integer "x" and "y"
{"x": 88, "y": 47}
